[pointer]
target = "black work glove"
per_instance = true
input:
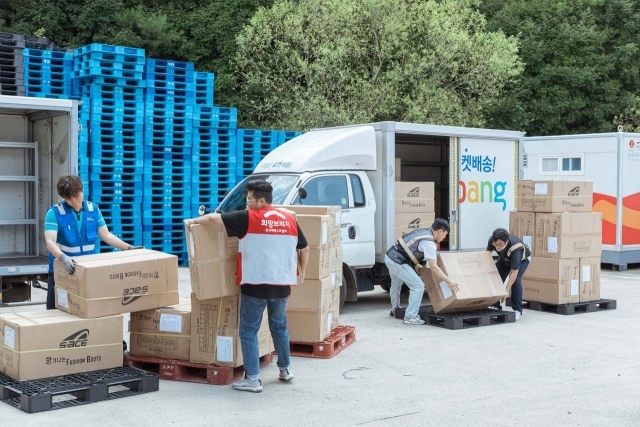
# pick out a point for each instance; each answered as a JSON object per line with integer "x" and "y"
{"x": 68, "y": 263}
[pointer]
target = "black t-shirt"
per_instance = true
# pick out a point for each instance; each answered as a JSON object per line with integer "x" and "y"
{"x": 237, "y": 225}
{"x": 516, "y": 256}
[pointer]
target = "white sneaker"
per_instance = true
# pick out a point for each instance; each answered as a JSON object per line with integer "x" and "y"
{"x": 285, "y": 375}
{"x": 246, "y": 384}
{"x": 518, "y": 315}
{"x": 415, "y": 321}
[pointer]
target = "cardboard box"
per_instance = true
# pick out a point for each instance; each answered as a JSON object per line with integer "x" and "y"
{"x": 552, "y": 281}
{"x": 316, "y": 229}
{"x": 408, "y": 222}
{"x": 555, "y": 196}
{"x": 568, "y": 235}
{"x": 162, "y": 332}
{"x": 312, "y": 295}
{"x": 314, "y": 326}
{"x": 319, "y": 265}
{"x": 477, "y": 277}
{"x": 214, "y": 332}
{"x": 212, "y": 261}
{"x": 523, "y": 225}
{"x": 117, "y": 282}
{"x": 398, "y": 170}
{"x": 335, "y": 212}
{"x": 415, "y": 197}
{"x": 43, "y": 344}
{"x": 590, "y": 271}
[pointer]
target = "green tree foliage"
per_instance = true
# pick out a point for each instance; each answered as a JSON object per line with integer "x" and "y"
{"x": 332, "y": 62}
{"x": 579, "y": 57}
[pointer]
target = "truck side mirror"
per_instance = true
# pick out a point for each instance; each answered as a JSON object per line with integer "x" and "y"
{"x": 303, "y": 193}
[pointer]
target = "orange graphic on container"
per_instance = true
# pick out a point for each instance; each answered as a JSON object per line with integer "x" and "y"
{"x": 630, "y": 218}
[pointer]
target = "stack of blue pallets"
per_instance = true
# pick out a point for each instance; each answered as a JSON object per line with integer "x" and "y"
{"x": 109, "y": 80}
{"x": 168, "y": 138}
{"x": 285, "y": 136}
{"x": 47, "y": 73}
{"x": 214, "y": 154}
{"x": 252, "y": 146}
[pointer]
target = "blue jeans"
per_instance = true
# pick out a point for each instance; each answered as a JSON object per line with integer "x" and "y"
{"x": 251, "y": 310}
{"x": 516, "y": 289}
{"x": 51, "y": 295}
{"x": 404, "y": 273}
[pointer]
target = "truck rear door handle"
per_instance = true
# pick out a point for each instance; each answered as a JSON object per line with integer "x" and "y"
{"x": 352, "y": 232}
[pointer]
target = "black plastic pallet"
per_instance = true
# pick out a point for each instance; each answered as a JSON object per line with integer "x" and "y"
{"x": 74, "y": 390}
{"x": 468, "y": 319}
{"x": 571, "y": 308}
{"x": 399, "y": 312}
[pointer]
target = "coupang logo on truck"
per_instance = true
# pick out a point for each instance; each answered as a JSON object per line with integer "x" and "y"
{"x": 482, "y": 191}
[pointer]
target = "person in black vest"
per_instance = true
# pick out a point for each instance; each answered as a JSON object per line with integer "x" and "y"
{"x": 403, "y": 260}
{"x": 514, "y": 257}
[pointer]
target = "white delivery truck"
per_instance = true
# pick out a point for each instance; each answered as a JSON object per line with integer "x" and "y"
{"x": 612, "y": 162}
{"x": 474, "y": 171}
{"x": 38, "y": 143}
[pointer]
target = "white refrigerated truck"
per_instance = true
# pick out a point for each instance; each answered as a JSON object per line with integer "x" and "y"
{"x": 38, "y": 143}
{"x": 612, "y": 162}
{"x": 474, "y": 171}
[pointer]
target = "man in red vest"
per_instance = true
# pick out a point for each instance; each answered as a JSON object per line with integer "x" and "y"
{"x": 271, "y": 243}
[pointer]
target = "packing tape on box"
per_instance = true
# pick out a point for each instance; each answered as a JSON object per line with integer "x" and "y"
{"x": 57, "y": 349}
{"x": 121, "y": 296}
{"x": 160, "y": 335}
{"x": 545, "y": 281}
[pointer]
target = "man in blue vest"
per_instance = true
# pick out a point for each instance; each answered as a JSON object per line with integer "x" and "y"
{"x": 72, "y": 228}
{"x": 403, "y": 260}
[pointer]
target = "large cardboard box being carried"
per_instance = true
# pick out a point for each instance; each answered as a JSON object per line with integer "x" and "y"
{"x": 478, "y": 281}
{"x": 335, "y": 224}
{"x": 212, "y": 261}
{"x": 590, "y": 270}
{"x": 315, "y": 229}
{"x": 555, "y": 196}
{"x": 43, "y": 344}
{"x": 214, "y": 332}
{"x": 415, "y": 197}
{"x": 568, "y": 235}
{"x": 117, "y": 282}
{"x": 408, "y": 222}
{"x": 523, "y": 226}
{"x": 162, "y": 332}
{"x": 552, "y": 281}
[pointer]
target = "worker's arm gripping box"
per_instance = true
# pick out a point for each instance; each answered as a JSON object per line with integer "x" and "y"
{"x": 50, "y": 343}
{"x": 117, "y": 282}
{"x": 162, "y": 332}
{"x": 476, "y": 275}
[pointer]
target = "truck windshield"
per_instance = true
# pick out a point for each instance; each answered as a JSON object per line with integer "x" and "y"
{"x": 237, "y": 199}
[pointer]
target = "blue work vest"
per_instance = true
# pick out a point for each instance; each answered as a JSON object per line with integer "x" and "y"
{"x": 70, "y": 241}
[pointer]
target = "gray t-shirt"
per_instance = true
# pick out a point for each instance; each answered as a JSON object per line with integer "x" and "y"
{"x": 428, "y": 248}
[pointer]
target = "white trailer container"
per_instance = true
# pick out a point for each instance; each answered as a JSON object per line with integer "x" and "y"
{"x": 38, "y": 143}
{"x": 612, "y": 162}
{"x": 474, "y": 171}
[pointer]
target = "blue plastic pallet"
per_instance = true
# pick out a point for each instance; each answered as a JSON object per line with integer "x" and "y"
{"x": 115, "y": 93}
{"x": 107, "y": 48}
{"x": 123, "y": 179}
{"x": 213, "y": 155}
{"x": 111, "y": 81}
{"x": 174, "y": 86}
{"x": 215, "y": 123}
{"x": 285, "y": 136}
{"x": 156, "y": 94}
{"x": 152, "y": 62}
{"x": 116, "y": 126}
{"x": 117, "y": 118}
{"x": 170, "y": 142}
{"x": 102, "y": 172}
{"x": 121, "y": 160}
{"x": 179, "y": 164}
{"x": 229, "y": 113}
{"x": 116, "y": 133}
{"x": 47, "y": 95}
{"x": 167, "y": 200}
{"x": 108, "y": 72}
{"x": 136, "y": 111}
{"x": 48, "y": 54}
{"x": 158, "y": 70}
{"x": 118, "y": 191}
{"x": 167, "y": 191}
{"x": 164, "y": 129}
{"x": 172, "y": 114}
{"x": 82, "y": 64}
{"x": 109, "y": 56}
{"x": 115, "y": 185}
{"x": 169, "y": 78}
{"x": 100, "y": 104}
{"x": 47, "y": 74}
{"x": 36, "y": 64}
{"x": 164, "y": 235}
{"x": 108, "y": 200}
{"x": 102, "y": 144}
{"x": 163, "y": 106}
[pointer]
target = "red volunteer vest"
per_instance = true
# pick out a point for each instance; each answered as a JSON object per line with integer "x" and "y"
{"x": 267, "y": 253}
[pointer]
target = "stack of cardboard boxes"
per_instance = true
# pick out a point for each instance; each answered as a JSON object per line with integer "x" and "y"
{"x": 85, "y": 332}
{"x": 414, "y": 206}
{"x": 314, "y": 305}
{"x": 215, "y": 299}
{"x": 555, "y": 219}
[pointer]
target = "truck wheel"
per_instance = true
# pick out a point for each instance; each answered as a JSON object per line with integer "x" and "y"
{"x": 343, "y": 291}
{"x": 386, "y": 286}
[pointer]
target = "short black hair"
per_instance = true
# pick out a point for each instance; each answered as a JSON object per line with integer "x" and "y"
{"x": 440, "y": 224}
{"x": 500, "y": 234}
{"x": 261, "y": 190}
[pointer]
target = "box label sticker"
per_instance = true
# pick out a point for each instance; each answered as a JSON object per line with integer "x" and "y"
{"x": 446, "y": 292}
{"x": 192, "y": 246}
{"x": 338, "y": 217}
{"x": 224, "y": 351}
{"x": 575, "y": 287}
{"x": 325, "y": 234}
{"x": 329, "y": 322}
{"x": 540, "y": 189}
{"x": 333, "y": 280}
{"x": 63, "y": 298}
{"x": 552, "y": 245}
{"x": 586, "y": 273}
{"x": 9, "y": 337}
{"x": 528, "y": 241}
{"x": 170, "y": 323}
